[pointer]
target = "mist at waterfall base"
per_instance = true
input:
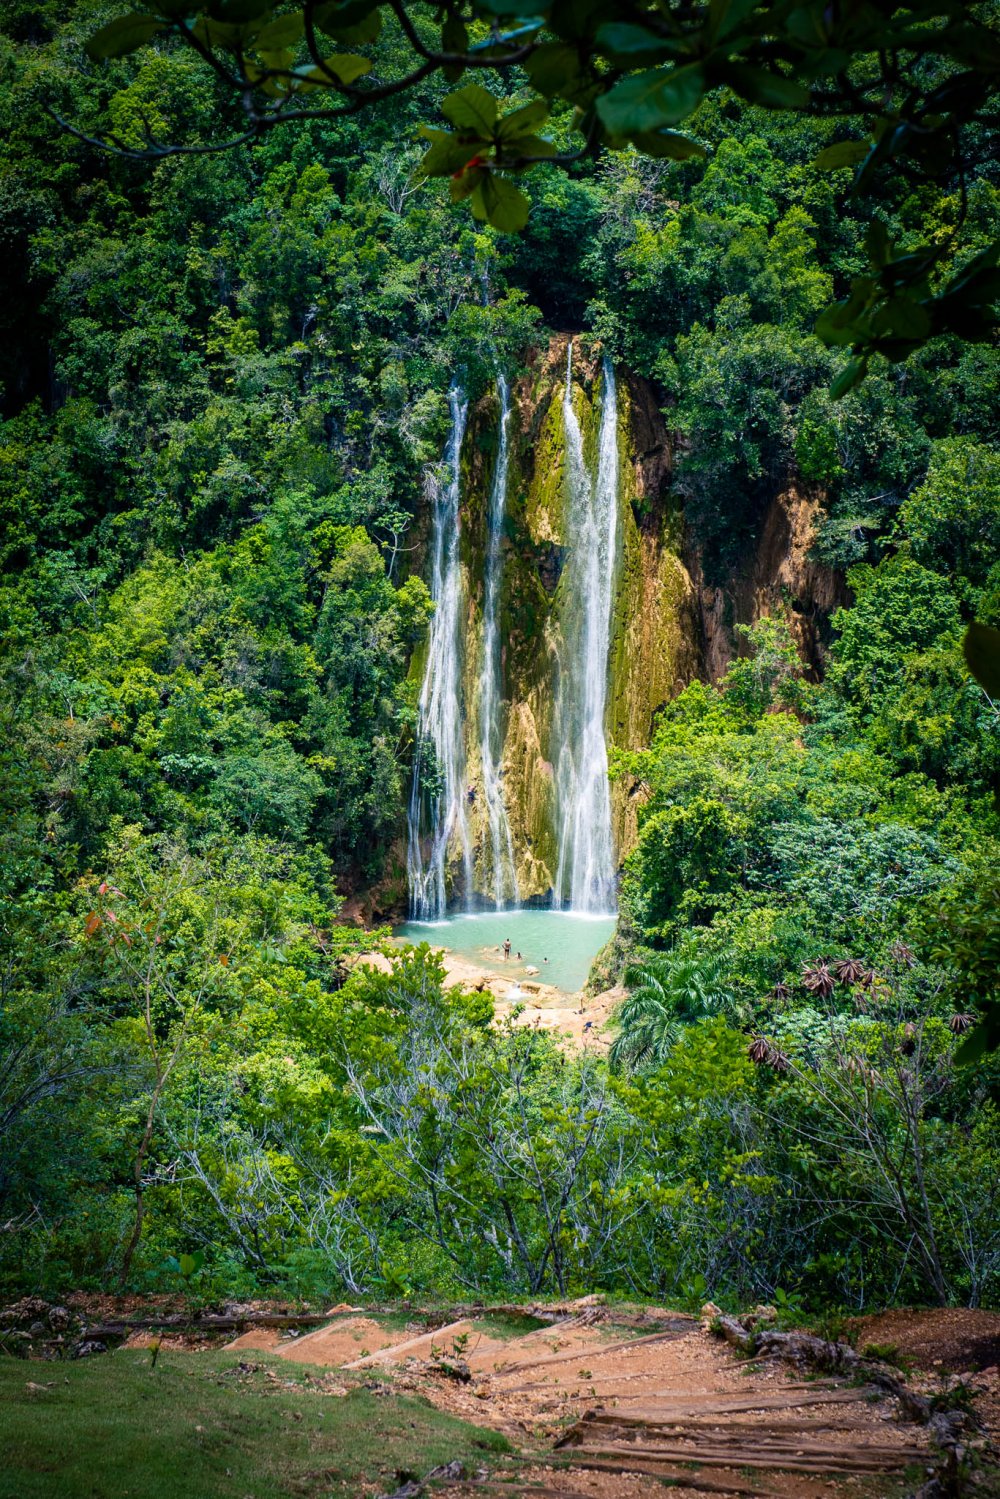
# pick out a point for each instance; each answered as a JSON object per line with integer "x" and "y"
{"x": 569, "y": 939}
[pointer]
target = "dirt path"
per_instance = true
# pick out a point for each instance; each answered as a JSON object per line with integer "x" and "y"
{"x": 604, "y": 1403}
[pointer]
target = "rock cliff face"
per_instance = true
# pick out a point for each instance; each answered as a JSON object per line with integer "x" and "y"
{"x": 779, "y": 578}
{"x": 655, "y": 628}
{"x": 667, "y": 626}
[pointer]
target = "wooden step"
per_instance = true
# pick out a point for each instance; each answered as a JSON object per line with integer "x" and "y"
{"x": 852, "y": 1461}
{"x": 594, "y": 1353}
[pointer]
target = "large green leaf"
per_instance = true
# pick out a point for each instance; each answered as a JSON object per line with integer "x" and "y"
{"x": 727, "y": 16}
{"x": 555, "y": 69}
{"x": 454, "y": 34}
{"x": 464, "y": 184}
{"x": 633, "y": 44}
{"x": 448, "y": 153}
{"x": 809, "y": 24}
{"x": 357, "y": 22}
{"x": 125, "y": 35}
{"x": 525, "y": 8}
{"x": 667, "y": 143}
{"x": 523, "y": 121}
{"x": 981, "y": 648}
{"x": 472, "y": 108}
{"x": 239, "y": 12}
{"x": 652, "y": 99}
{"x": 501, "y": 204}
{"x": 843, "y": 154}
{"x": 761, "y": 86}
{"x": 344, "y": 65}
{"x": 878, "y": 244}
{"x": 280, "y": 33}
{"x": 851, "y": 375}
{"x": 903, "y": 316}
{"x": 234, "y": 36}
{"x": 835, "y": 327}
{"x": 531, "y": 147}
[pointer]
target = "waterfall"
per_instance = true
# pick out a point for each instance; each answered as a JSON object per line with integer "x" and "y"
{"x": 585, "y": 873}
{"x": 437, "y": 808}
{"x": 502, "y": 867}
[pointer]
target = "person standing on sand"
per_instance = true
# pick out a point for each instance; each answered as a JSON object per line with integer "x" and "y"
{"x": 506, "y": 948}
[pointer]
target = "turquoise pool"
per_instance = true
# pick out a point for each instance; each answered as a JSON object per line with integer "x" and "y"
{"x": 560, "y": 944}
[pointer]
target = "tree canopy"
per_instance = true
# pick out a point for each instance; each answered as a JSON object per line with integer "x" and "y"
{"x": 905, "y": 90}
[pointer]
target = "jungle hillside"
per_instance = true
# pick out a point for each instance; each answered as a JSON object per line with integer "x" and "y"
{"x": 475, "y": 463}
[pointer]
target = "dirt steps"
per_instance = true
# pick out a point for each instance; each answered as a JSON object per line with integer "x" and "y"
{"x": 674, "y": 1402}
{"x": 620, "y": 1409}
{"x": 330, "y": 1346}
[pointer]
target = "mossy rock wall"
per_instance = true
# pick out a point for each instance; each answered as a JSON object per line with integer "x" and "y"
{"x": 654, "y": 648}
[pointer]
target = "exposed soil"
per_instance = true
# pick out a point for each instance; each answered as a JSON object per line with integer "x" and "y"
{"x": 960, "y": 1342}
{"x": 957, "y": 1340}
{"x": 338, "y": 1345}
{"x": 616, "y": 1402}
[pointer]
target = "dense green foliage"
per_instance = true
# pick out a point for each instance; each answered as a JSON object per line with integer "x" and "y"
{"x": 223, "y": 381}
{"x": 916, "y": 85}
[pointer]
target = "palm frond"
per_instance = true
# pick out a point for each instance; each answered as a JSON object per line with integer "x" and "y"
{"x": 666, "y": 992}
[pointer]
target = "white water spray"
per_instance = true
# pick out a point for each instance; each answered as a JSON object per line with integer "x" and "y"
{"x": 502, "y": 868}
{"x": 437, "y": 814}
{"x": 585, "y": 873}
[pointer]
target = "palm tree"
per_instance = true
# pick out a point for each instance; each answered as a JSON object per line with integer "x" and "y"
{"x": 666, "y": 993}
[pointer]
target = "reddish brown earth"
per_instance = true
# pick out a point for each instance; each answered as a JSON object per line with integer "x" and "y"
{"x": 616, "y": 1402}
{"x": 601, "y": 1401}
{"x": 961, "y": 1342}
{"x": 958, "y": 1339}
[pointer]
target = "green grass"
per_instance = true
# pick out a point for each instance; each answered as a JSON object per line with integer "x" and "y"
{"x": 196, "y": 1427}
{"x": 508, "y": 1324}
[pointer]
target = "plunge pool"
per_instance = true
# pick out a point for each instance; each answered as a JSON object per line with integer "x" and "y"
{"x": 560, "y": 944}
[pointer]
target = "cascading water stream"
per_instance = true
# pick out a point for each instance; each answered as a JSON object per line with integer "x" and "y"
{"x": 502, "y": 867}
{"x": 438, "y": 811}
{"x": 585, "y": 873}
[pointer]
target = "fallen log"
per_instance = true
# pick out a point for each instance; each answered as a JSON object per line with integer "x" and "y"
{"x": 594, "y": 1354}
{"x": 695, "y": 1481}
{"x": 759, "y": 1458}
{"x": 628, "y": 1422}
{"x": 174, "y": 1322}
{"x": 838, "y": 1358}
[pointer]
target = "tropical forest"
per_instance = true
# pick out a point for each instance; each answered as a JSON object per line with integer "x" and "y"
{"x": 499, "y": 748}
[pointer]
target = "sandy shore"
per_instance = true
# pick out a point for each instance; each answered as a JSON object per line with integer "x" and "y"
{"x": 580, "y": 1018}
